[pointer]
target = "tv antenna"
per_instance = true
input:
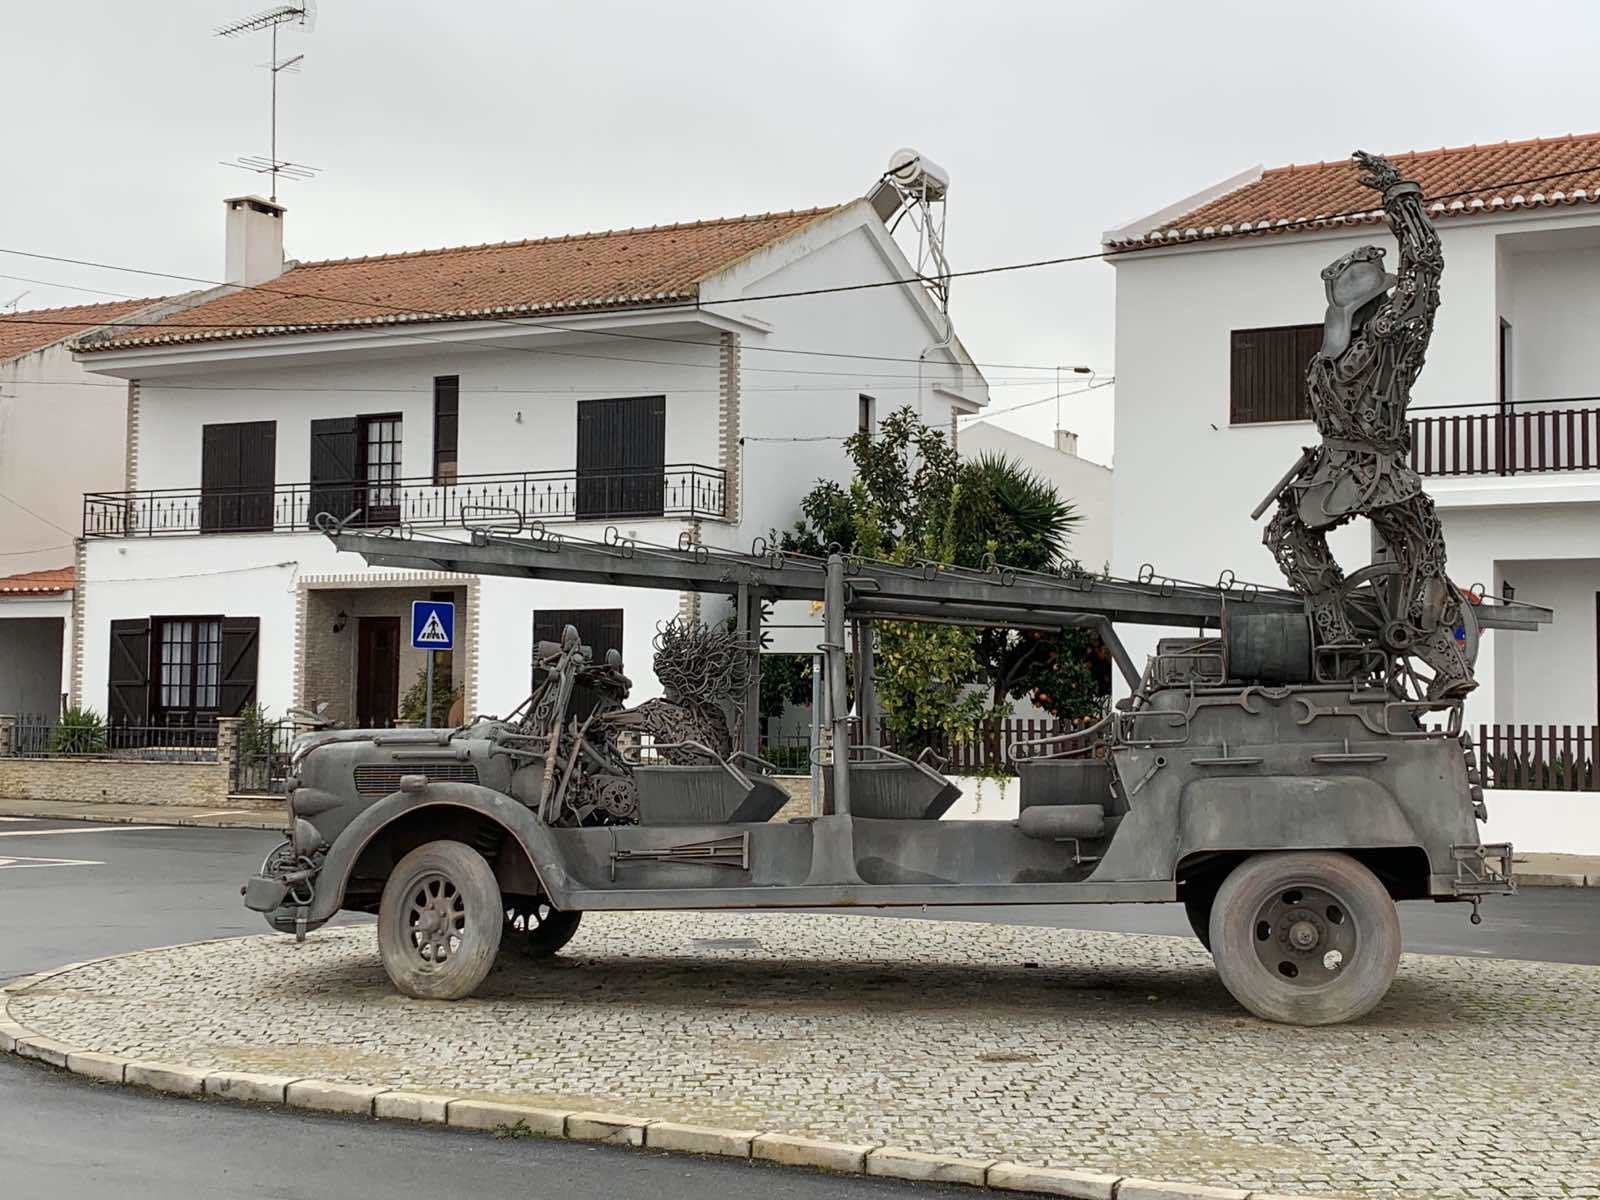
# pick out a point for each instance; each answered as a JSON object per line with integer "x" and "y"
{"x": 304, "y": 14}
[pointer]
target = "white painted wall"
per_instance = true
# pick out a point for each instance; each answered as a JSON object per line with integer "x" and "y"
{"x": 1186, "y": 480}
{"x": 1086, "y": 484}
{"x": 62, "y": 432}
{"x": 1544, "y": 822}
{"x": 518, "y": 408}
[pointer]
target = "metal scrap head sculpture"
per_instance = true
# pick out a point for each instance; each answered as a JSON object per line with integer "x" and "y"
{"x": 1375, "y": 335}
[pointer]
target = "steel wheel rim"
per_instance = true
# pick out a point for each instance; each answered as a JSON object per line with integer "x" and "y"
{"x": 528, "y": 919}
{"x": 1305, "y": 936}
{"x": 436, "y": 920}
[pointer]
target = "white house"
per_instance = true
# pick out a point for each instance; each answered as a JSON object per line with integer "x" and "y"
{"x": 634, "y": 379}
{"x": 1219, "y": 308}
{"x": 62, "y": 434}
{"x": 1086, "y": 484}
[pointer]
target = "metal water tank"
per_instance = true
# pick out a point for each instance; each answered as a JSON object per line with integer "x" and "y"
{"x": 1267, "y": 647}
{"x": 917, "y": 173}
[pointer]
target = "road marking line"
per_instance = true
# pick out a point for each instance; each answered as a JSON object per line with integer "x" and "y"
{"x": 227, "y": 812}
{"x": 95, "y": 829}
{"x": 20, "y": 864}
{"x": 19, "y": 820}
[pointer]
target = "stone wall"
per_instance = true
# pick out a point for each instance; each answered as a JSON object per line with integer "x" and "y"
{"x": 799, "y": 789}
{"x": 114, "y": 781}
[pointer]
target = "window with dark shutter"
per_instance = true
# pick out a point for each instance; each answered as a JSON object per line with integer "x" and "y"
{"x": 622, "y": 448}
{"x": 241, "y": 637}
{"x": 333, "y": 469}
{"x": 378, "y": 467}
{"x": 866, "y": 415}
{"x": 1268, "y": 373}
{"x": 600, "y": 629}
{"x": 446, "y": 426}
{"x": 238, "y": 470}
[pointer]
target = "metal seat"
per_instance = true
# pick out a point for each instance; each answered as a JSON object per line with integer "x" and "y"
{"x": 890, "y": 786}
{"x": 717, "y": 792}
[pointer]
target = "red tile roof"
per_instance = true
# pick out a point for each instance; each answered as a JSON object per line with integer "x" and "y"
{"x": 24, "y": 332}
{"x": 662, "y": 264}
{"x": 1463, "y": 181}
{"x": 52, "y": 582}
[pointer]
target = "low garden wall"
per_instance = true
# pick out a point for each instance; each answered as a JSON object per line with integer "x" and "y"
{"x": 114, "y": 781}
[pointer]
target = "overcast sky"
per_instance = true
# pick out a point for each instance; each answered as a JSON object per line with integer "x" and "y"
{"x": 484, "y": 120}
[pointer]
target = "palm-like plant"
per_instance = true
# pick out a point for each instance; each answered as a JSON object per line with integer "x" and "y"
{"x": 1008, "y": 510}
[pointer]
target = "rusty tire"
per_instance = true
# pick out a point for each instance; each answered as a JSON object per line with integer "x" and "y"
{"x": 439, "y": 922}
{"x": 1305, "y": 938}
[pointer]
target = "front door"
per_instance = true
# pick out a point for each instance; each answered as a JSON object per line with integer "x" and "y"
{"x": 377, "y": 672}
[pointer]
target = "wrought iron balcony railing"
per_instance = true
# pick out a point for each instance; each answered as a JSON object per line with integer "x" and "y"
{"x": 1516, "y": 438}
{"x": 675, "y": 490}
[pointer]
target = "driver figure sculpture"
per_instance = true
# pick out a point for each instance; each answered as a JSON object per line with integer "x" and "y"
{"x": 1374, "y": 337}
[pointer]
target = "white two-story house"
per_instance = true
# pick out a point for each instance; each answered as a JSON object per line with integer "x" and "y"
{"x": 1219, "y": 309}
{"x": 634, "y": 379}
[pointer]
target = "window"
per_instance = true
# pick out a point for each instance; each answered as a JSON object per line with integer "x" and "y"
{"x": 238, "y": 469}
{"x": 446, "y": 423}
{"x": 188, "y": 658}
{"x": 866, "y": 415}
{"x": 182, "y": 670}
{"x": 622, "y": 446}
{"x": 1268, "y": 378}
{"x": 355, "y": 464}
{"x": 600, "y": 629}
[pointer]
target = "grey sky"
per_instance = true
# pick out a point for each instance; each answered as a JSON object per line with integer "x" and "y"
{"x": 482, "y": 120}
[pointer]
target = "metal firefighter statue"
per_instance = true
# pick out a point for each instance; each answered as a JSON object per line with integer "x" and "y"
{"x": 1375, "y": 334}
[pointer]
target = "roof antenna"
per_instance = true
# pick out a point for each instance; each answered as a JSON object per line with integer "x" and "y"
{"x": 15, "y": 300}
{"x": 304, "y": 14}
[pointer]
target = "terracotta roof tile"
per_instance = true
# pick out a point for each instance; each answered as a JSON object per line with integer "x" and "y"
{"x": 23, "y": 332}
{"x": 51, "y": 582}
{"x": 1460, "y": 181}
{"x": 661, "y": 264}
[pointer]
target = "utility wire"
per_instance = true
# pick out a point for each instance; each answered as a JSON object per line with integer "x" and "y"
{"x": 37, "y": 516}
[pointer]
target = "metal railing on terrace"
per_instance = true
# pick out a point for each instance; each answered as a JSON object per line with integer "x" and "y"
{"x": 39, "y": 736}
{"x": 1516, "y": 438}
{"x": 675, "y": 490}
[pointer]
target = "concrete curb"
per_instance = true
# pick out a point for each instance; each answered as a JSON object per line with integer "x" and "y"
{"x": 519, "y": 1120}
{"x": 175, "y": 822}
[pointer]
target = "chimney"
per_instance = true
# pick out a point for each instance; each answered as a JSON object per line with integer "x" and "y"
{"x": 1067, "y": 442}
{"x": 255, "y": 240}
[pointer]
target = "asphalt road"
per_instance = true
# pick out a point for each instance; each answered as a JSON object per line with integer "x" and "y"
{"x": 71, "y": 891}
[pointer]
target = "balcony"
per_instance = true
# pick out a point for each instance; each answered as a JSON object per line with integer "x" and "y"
{"x": 680, "y": 490}
{"x": 1517, "y": 438}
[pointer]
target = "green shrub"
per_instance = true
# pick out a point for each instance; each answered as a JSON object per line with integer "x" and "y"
{"x": 412, "y": 703}
{"x": 80, "y": 731}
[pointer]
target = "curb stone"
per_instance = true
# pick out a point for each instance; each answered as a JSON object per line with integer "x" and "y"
{"x": 896, "y": 1162}
{"x": 1556, "y": 881}
{"x": 165, "y": 1077}
{"x": 486, "y": 1114}
{"x": 323, "y": 1096}
{"x": 848, "y": 1158}
{"x": 483, "y": 1115}
{"x": 1053, "y": 1181}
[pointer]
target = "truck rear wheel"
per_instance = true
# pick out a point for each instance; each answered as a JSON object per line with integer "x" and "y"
{"x": 1305, "y": 938}
{"x": 439, "y": 921}
{"x": 536, "y": 928}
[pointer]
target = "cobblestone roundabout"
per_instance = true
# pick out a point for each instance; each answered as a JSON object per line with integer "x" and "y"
{"x": 1102, "y": 1051}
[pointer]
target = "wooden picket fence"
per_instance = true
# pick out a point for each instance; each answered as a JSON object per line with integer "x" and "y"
{"x": 1540, "y": 758}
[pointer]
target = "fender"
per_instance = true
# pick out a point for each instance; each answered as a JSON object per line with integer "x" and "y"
{"x": 1290, "y": 812}
{"x": 516, "y": 820}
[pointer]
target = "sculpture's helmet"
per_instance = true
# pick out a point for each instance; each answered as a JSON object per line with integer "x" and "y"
{"x": 1351, "y": 283}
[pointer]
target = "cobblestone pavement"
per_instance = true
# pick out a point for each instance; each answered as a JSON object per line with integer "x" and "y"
{"x": 1104, "y": 1051}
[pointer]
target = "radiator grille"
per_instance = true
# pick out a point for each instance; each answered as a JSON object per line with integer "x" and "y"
{"x": 381, "y": 780}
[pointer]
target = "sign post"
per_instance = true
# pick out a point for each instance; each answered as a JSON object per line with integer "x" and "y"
{"x": 433, "y": 627}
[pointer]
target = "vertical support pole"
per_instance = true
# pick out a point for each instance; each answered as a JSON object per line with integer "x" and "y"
{"x": 427, "y": 704}
{"x": 838, "y": 693}
{"x": 866, "y": 683}
{"x": 747, "y": 623}
{"x": 819, "y": 701}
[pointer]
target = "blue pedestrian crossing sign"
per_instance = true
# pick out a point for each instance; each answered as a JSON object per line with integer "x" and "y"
{"x": 433, "y": 625}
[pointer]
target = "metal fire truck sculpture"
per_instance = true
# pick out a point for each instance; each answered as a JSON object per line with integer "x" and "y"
{"x": 1287, "y": 777}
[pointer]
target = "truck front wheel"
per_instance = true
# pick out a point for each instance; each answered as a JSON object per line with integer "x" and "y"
{"x": 439, "y": 922}
{"x": 1305, "y": 938}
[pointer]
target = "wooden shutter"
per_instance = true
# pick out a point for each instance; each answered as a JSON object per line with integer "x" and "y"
{"x": 1268, "y": 373}
{"x": 333, "y": 468}
{"x": 238, "y": 470}
{"x": 621, "y": 455}
{"x": 446, "y": 427}
{"x": 237, "y": 678}
{"x": 128, "y": 674}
